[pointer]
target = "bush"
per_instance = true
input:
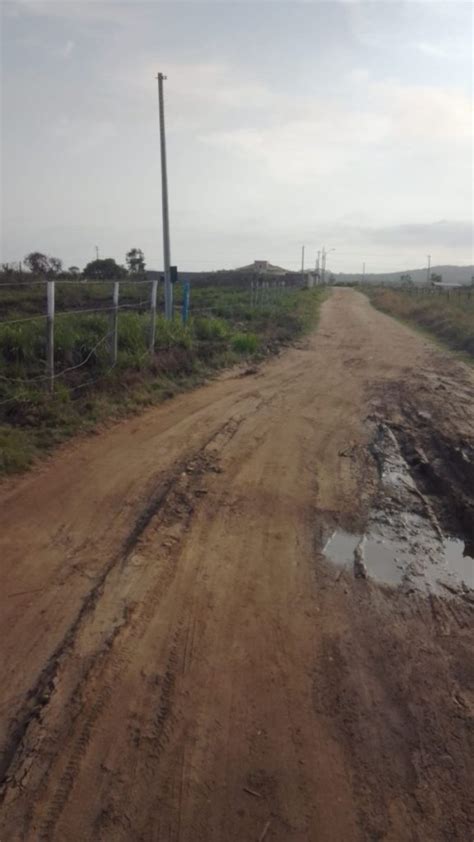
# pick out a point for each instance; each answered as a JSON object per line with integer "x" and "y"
{"x": 245, "y": 343}
{"x": 210, "y": 329}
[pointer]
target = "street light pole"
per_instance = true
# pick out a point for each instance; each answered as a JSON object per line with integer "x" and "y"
{"x": 164, "y": 201}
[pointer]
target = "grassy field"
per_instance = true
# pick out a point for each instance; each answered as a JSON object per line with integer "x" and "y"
{"x": 449, "y": 318}
{"x": 225, "y": 327}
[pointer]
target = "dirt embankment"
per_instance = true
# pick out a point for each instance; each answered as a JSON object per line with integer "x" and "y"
{"x": 182, "y": 662}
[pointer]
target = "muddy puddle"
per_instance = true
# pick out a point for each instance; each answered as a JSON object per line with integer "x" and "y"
{"x": 403, "y": 545}
{"x": 394, "y": 562}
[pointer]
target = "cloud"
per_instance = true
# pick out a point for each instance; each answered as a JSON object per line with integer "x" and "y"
{"x": 442, "y": 235}
{"x": 433, "y": 50}
{"x": 79, "y": 135}
{"x": 424, "y": 112}
{"x": 66, "y": 50}
{"x": 113, "y": 12}
{"x": 321, "y": 137}
{"x": 359, "y": 75}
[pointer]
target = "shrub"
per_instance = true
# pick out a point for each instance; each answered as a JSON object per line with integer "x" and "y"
{"x": 210, "y": 329}
{"x": 245, "y": 343}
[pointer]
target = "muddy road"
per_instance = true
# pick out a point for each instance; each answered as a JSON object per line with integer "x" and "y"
{"x": 248, "y": 614}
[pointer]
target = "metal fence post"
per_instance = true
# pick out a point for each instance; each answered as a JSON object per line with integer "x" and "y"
{"x": 50, "y": 333}
{"x": 114, "y": 324}
{"x": 154, "y": 286}
{"x": 186, "y": 298}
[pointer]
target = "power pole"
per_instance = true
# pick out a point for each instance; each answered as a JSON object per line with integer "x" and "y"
{"x": 164, "y": 201}
{"x": 363, "y": 272}
{"x": 428, "y": 269}
{"x": 302, "y": 264}
{"x": 96, "y": 252}
{"x": 323, "y": 265}
{"x": 316, "y": 266}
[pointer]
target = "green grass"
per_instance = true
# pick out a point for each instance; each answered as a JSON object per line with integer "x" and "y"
{"x": 88, "y": 391}
{"x": 245, "y": 343}
{"x": 449, "y": 319}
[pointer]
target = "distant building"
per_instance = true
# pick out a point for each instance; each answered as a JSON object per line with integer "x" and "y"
{"x": 263, "y": 267}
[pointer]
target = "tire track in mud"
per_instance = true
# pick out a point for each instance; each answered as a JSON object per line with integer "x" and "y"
{"x": 175, "y": 495}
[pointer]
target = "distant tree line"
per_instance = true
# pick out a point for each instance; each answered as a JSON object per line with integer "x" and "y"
{"x": 104, "y": 269}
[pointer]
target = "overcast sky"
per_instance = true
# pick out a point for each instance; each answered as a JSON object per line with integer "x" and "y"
{"x": 325, "y": 123}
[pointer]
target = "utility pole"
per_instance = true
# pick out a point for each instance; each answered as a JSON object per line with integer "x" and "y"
{"x": 164, "y": 201}
{"x": 302, "y": 264}
{"x": 316, "y": 266}
{"x": 323, "y": 265}
{"x": 96, "y": 252}
{"x": 363, "y": 272}
{"x": 428, "y": 269}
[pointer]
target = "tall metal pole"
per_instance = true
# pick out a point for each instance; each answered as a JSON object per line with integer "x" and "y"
{"x": 164, "y": 201}
{"x": 428, "y": 269}
{"x": 323, "y": 265}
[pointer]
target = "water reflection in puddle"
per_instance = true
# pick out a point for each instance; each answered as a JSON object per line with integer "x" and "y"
{"x": 380, "y": 556}
{"x": 459, "y": 557}
{"x": 388, "y": 560}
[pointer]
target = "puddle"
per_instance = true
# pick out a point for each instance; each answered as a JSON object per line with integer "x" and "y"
{"x": 459, "y": 558}
{"x": 403, "y": 544}
{"x": 421, "y": 560}
{"x": 383, "y": 559}
{"x": 341, "y": 547}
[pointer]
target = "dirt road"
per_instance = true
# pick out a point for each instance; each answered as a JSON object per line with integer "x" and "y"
{"x": 181, "y": 661}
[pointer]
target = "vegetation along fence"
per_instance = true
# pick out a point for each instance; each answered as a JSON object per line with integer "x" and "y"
{"x": 52, "y": 328}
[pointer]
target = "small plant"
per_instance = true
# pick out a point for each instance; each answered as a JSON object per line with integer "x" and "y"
{"x": 245, "y": 343}
{"x": 210, "y": 329}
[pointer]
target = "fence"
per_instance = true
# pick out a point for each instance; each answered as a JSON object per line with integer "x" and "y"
{"x": 114, "y": 298}
{"x": 465, "y": 292}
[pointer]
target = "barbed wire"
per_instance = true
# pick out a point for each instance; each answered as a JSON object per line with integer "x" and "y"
{"x": 138, "y": 305}
{"x": 43, "y": 377}
{"x": 81, "y": 283}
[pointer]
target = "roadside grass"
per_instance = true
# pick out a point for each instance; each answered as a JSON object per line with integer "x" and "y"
{"x": 449, "y": 320}
{"x": 226, "y": 328}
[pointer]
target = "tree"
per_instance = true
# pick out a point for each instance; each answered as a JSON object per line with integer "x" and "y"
{"x": 104, "y": 270}
{"x": 135, "y": 260}
{"x": 55, "y": 265}
{"x": 74, "y": 270}
{"x": 37, "y": 263}
{"x": 42, "y": 264}
{"x": 435, "y": 279}
{"x": 407, "y": 279}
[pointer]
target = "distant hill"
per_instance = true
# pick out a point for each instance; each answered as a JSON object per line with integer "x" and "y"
{"x": 450, "y": 275}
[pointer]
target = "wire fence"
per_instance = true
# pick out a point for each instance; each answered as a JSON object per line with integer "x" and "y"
{"x": 449, "y": 292}
{"x": 256, "y": 293}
